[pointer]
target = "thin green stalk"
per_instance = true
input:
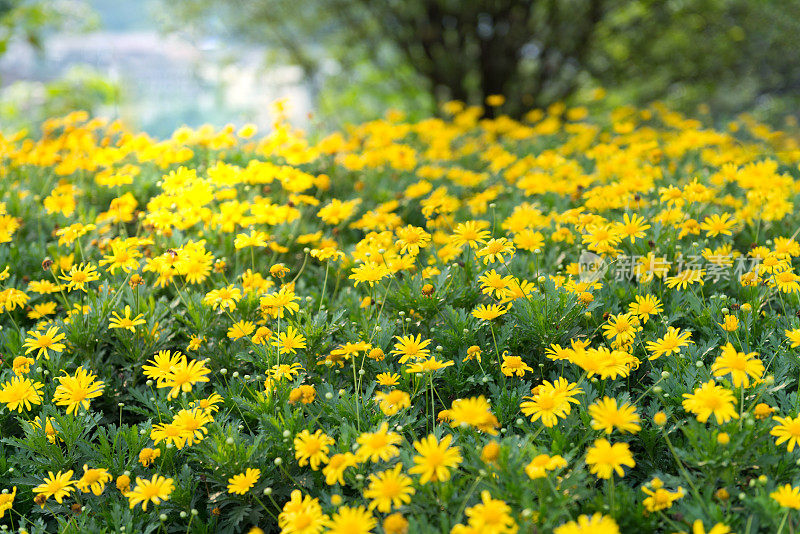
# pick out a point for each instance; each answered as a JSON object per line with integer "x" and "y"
{"x": 265, "y": 508}
{"x": 302, "y": 268}
{"x": 356, "y": 394}
{"x": 433, "y": 402}
{"x": 468, "y": 495}
{"x": 783, "y": 522}
{"x": 684, "y": 473}
{"x": 324, "y": 285}
{"x": 611, "y": 495}
{"x": 13, "y": 321}
{"x": 498, "y": 354}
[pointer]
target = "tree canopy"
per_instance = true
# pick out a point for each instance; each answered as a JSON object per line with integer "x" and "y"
{"x": 727, "y": 53}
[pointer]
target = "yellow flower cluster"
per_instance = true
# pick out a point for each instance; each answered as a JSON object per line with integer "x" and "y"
{"x": 574, "y": 322}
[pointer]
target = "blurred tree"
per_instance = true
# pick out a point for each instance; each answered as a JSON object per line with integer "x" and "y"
{"x": 21, "y": 19}
{"x": 531, "y": 50}
{"x": 728, "y": 53}
{"x": 29, "y": 20}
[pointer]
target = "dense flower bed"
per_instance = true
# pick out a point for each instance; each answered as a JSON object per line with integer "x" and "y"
{"x": 575, "y": 323}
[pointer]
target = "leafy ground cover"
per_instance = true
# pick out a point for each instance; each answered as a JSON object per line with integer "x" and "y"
{"x": 581, "y": 322}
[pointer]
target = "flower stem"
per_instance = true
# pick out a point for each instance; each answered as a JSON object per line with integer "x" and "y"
{"x": 783, "y": 522}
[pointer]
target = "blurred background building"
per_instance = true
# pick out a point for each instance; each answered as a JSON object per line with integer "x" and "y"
{"x": 117, "y": 60}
